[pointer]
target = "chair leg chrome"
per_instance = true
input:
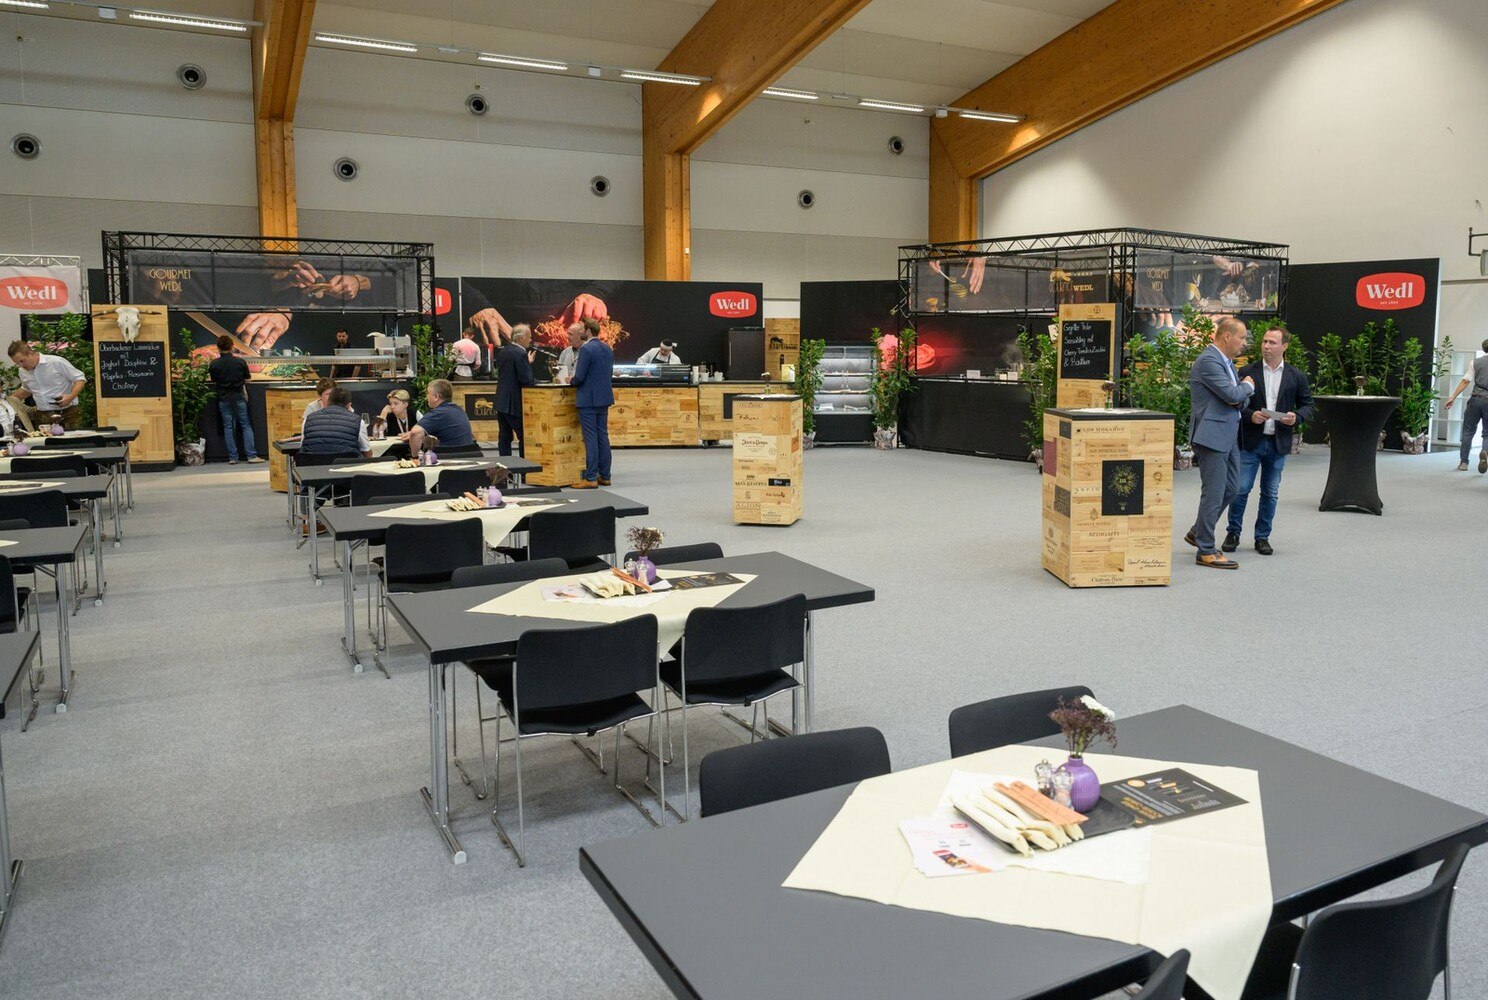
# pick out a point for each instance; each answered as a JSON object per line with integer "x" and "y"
{"x": 686, "y": 760}
{"x": 628, "y": 795}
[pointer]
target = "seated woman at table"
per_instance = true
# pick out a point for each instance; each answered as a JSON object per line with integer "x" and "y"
{"x": 321, "y": 401}
{"x": 398, "y": 415}
{"x": 11, "y": 426}
{"x": 335, "y": 430}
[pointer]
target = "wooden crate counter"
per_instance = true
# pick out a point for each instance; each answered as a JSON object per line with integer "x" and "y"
{"x": 654, "y": 416}
{"x": 550, "y": 419}
{"x": 767, "y": 459}
{"x": 1108, "y": 497}
{"x": 478, "y": 400}
{"x": 715, "y": 405}
{"x": 284, "y": 412}
{"x": 133, "y": 383}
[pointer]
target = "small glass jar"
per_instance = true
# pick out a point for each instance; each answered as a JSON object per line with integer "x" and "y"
{"x": 1044, "y": 775}
{"x": 1062, "y": 782}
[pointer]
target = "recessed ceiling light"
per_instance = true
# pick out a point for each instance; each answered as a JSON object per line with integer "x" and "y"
{"x": 367, "y": 43}
{"x": 891, "y": 106}
{"x": 33, "y": 4}
{"x": 524, "y": 63}
{"x": 800, "y": 95}
{"x": 659, "y": 77}
{"x": 988, "y": 116}
{"x": 186, "y": 22}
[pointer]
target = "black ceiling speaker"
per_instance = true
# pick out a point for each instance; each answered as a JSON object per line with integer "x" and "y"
{"x": 191, "y": 76}
{"x": 599, "y": 185}
{"x": 896, "y": 145}
{"x": 476, "y": 105}
{"x": 346, "y": 168}
{"x": 805, "y": 199}
{"x": 25, "y": 145}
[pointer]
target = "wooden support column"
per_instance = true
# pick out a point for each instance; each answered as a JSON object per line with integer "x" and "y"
{"x": 743, "y": 46}
{"x": 279, "y": 45}
{"x": 1119, "y": 55}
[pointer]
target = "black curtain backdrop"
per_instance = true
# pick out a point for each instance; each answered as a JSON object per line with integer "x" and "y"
{"x": 695, "y": 314}
{"x": 1341, "y": 297}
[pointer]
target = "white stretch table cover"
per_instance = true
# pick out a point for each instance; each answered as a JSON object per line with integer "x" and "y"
{"x": 431, "y": 472}
{"x": 496, "y": 522}
{"x": 37, "y": 453}
{"x": 1208, "y": 890}
{"x": 671, "y": 607}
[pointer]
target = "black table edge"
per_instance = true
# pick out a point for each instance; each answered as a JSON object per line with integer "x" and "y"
{"x": 26, "y": 658}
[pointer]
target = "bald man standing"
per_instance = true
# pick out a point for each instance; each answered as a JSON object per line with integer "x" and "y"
{"x": 1217, "y": 393}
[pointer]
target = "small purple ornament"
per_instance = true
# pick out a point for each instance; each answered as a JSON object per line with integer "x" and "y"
{"x": 493, "y": 497}
{"x": 20, "y": 448}
{"x": 56, "y": 430}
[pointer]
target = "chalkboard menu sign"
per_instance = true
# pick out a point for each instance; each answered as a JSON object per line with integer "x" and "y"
{"x": 1085, "y": 349}
{"x": 132, "y": 371}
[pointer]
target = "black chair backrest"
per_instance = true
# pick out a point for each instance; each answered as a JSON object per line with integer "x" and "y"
{"x": 1015, "y": 718}
{"x": 1392, "y": 948}
{"x": 10, "y": 616}
{"x": 509, "y": 572}
{"x": 80, "y": 441}
{"x": 1168, "y": 981}
{"x": 430, "y": 553}
{"x": 456, "y": 482}
{"x": 723, "y": 643}
{"x": 575, "y": 536}
{"x": 56, "y": 465}
{"x": 755, "y": 773}
{"x": 47, "y": 509}
{"x": 374, "y": 501}
{"x": 311, "y": 458}
{"x": 576, "y": 666}
{"x": 15, "y": 524}
{"x": 366, "y": 486}
{"x": 673, "y": 554}
{"x": 459, "y": 449}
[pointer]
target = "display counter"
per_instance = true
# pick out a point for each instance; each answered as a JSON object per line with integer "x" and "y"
{"x": 969, "y": 416}
{"x": 654, "y": 416}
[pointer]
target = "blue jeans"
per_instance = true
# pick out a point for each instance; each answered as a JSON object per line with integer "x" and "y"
{"x": 1475, "y": 413}
{"x": 595, "y": 423}
{"x": 1269, "y": 461}
{"x": 234, "y": 410}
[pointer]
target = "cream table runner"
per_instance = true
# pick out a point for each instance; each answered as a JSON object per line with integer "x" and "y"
{"x": 671, "y": 607}
{"x": 37, "y": 453}
{"x": 431, "y": 472}
{"x": 496, "y": 522}
{"x": 1208, "y": 888}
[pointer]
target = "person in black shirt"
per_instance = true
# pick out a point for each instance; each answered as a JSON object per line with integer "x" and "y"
{"x": 229, "y": 376}
{"x": 343, "y": 340}
{"x": 513, "y": 371}
{"x": 398, "y": 415}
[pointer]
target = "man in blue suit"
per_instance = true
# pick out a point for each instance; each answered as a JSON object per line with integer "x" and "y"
{"x": 593, "y": 374}
{"x": 1217, "y": 393}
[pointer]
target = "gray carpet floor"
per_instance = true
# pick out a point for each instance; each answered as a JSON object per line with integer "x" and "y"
{"x": 228, "y": 811}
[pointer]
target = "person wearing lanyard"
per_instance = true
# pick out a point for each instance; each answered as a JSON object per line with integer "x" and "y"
{"x": 1267, "y": 420}
{"x": 398, "y": 416}
{"x": 563, "y": 374}
{"x": 51, "y": 382}
{"x": 666, "y": 354}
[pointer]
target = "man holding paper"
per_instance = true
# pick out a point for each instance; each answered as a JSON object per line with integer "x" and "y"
{"x": 1266, "y": 422}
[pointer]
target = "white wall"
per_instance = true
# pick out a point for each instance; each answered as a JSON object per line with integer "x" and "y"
{"x": 1361, "y": 134}
{"x": 124, "y": 146}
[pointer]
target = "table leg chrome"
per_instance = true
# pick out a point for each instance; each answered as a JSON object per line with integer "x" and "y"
{"x": 809, "y": 695}
{"x": 114, "y": 499}
{"x": 348, "y": 610}
{"x": 438, "y": 802}
{"x": 128, "y": 478}
{"x": 99, "y": 586}
{"x": 64, "y": 647}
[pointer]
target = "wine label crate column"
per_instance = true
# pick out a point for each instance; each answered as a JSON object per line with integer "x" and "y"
{"x": 767, "y": 459}
{"x": 1108, "y": 497}
{"x": 550, "y": 419}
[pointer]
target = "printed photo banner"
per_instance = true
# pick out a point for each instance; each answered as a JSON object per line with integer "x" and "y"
{"x": 232, "y": 281}
{"x": 44, "y": 290}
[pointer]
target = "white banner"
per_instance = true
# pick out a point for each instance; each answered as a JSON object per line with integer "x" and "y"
{"x": 46, "y": 290}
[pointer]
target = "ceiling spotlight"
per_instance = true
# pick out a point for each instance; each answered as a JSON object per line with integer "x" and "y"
{"x": 367, "y": 43}
{"x": 659, "y": 77}
{"x": 33, "y": 4}
{"x": 524, "y": 63}
{"x": 989, "y": 116}
{"x": 800, "y": 95}
{"x": 913, "y": 109}
{"x": 186, "y": 22}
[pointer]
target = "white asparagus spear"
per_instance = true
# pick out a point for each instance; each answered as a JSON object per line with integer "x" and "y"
{"x": 1026, "y": 820}
{"x": 991, "y": 825}
{"x": 1073, "y": 829}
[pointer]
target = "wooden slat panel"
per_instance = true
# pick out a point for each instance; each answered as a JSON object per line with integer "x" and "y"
{"x": 153, "y": 416}
{"x": 651, "y": 417}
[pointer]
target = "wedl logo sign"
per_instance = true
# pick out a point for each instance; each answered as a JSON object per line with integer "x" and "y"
{"x": 443, "y": 303}
{"x": 1391, "y": 290}
{"x": 732, "y": 304}
{"x": 32, "y": 292}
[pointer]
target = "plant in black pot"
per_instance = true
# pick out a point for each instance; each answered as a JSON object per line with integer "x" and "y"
{"x": 890, "y": 381}
{"x": 808, "y": 381}
{"x": 1042, "y": 379}
{"x": 1418, "y": 397}
{"x": 191, "y": 393}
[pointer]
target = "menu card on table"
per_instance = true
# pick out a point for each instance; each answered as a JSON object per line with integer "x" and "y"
{"x": 1167, "y": 795}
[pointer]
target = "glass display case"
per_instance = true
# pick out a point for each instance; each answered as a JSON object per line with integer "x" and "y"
{"x": 652, "y": 375}
{"x": 844, "y": 403}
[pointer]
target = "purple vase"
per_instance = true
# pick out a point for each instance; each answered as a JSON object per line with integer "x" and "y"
{"x": 1085, "y": 792}
{"x": 645, "y": 570}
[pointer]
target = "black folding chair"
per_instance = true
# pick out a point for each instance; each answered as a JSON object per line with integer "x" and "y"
{"x": 307, "y": 499}
{"x": 581, "y": 538}
{"x": 1168, "y": 981}
{"x": 367, "y": 486}
{"x": 574, "y": 682}
{"x": 457, "y": 482}
{"x": 738, "y": 657}
{"x": 756, "y": 773}
{"x": 420, "y": 558}
{"x": 49, "y": 465}
{"x": 47, "y": 509}
{"x": 1014, "y": 718}
{"x": 16, "y": 611}
{"x": 674, "y": 554}
{"x": 483, "y": 576}
{"x": 1390, "y": 949}
{"x": 79, "y": 441}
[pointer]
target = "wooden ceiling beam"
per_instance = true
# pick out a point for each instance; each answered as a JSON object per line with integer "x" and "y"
{"x": 279, "y": 45}
{"x": 742, "y": 46}
{"x": 1119, "y": 55}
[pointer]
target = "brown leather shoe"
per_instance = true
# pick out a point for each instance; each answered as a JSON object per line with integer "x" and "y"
{"x": 1190, "y": 539}
{"x": 603, "y": 481}
{"x": 1215, "y": 560}
{"x": 586, "y": 484}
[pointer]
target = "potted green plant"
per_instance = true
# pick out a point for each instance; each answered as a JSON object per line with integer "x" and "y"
{"x": 890, "y": 381}
{"x": 67, "y": 337}
{"x": 1156, "y": 374}
{"x": 1042, "y": 378}
{"x": 1418, "y": 398}
{"x": 191, "y": 392}
{"x": 429, "y": 363}
{"x": 808, "y": 381}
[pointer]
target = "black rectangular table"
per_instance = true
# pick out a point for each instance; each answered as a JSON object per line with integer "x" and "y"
{"x": 443, "y": 626}
{"x": 17, "y": 650}
{"x": 704, "y": 900}
{"x": 353, "y": 526}
{"x": 114, "y": 458}
{"x": 88, "y": 490}
{"x": 59, "y": 548}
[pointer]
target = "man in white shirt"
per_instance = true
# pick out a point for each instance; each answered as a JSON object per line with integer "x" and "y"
{"x": 662, "y": 355}
{"x": 570, "y": 356}
{"x": 52, "y": 383}
{"x": 467, "y": 354}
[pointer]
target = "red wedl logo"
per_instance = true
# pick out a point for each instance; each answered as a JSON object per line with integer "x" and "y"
{"x": 733, "y": 304}
{"x": 1391, "y": 290}
{"x": 29, "y": 291}
{"x": 442, "y": 301}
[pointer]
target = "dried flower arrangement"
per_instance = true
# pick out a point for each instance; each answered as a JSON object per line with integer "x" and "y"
{"x": 1083, "y": 722}
{"x": 643, "y": 540}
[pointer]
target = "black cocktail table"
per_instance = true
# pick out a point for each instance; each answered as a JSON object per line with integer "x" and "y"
{"x": 1354, "y": 424}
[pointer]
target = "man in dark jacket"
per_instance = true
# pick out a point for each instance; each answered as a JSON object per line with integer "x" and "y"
{"x": 229, "y": 375}
{"x": 513, "y": 370}
{"x": 593, "y": 377}
{"x": 1282, "y": 399}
